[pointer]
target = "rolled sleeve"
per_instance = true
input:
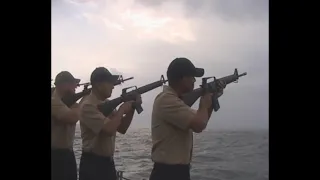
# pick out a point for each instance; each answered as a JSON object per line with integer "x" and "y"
{"x": 92, "y": 117}
{"x": 58, "y": 108}
{"x": 174, "y": 111}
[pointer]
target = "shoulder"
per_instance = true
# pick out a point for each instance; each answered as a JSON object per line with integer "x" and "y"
{"x": 56, "y": 101}
{"x": 166, "y": 98}
{"x": 88, "y": 106}
{"x": 169, "y": 103}
{"x": 88, "y": 102}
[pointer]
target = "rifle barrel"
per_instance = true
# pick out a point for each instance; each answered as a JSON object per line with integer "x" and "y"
{"x": 83, "y": 84}
{"x": 121, "y": 80}
{"x": 148, "y": 87}
{"x": 243, "y": 74}
{"x": 231, "y": 78}
{"x": 127, "y": 79}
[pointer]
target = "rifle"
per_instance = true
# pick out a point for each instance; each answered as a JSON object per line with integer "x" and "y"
{"x": 119, "y": 81}
{"x": 107, "y": 107}
{"x": 85, "y": 85}
{"x": 191, "y": 97}
{"x": 70, "y": 100}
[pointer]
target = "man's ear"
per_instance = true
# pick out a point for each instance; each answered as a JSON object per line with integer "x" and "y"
{"x": 183, "y": 80}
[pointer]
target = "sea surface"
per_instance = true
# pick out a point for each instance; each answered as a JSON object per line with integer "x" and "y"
{"x": 218, "y": 155}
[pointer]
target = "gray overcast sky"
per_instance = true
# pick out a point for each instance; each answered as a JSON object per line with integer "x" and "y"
{"x": 140, "y": 37}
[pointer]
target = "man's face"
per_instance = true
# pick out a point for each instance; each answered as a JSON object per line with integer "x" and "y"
{"x": 105, "y": 89}
{"x": 188, "y": 83}
{"x": 68, "y": 88}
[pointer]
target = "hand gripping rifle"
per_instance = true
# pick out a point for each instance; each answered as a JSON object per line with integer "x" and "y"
{"x": 107, "y": 107}
{"x": 70, "y": 100}
{"x": 191, "y": 97}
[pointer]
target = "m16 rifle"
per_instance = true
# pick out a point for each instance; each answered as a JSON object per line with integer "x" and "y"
{"x": 70, "y": 100}
{"x": 191, "y": 97}
{"x": 107, "y": 107}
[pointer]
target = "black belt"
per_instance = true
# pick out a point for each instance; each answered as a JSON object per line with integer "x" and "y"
{"x": 92, "y": 155}
{"x": 61, "y": 149}
{"x": 175, "y": 166}
{"x": 163, "y": 171}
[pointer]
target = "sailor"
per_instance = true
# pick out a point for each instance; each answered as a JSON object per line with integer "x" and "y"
{"x": 98, "y": 132}
{"x": 63, "y": 122}
{"x": 173, "y": 122}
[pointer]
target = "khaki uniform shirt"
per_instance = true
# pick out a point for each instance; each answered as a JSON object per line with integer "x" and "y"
{"x": 91, "y": 123}
{"x": 171, "y": 138}
{"x": 62, "y": 134}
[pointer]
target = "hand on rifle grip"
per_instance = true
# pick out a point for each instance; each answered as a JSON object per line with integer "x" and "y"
{"x": 220, "y": 86}
{"x": 138, "y": 99}
{"x": 127, "y": 106}
{"x": 206, "y": 100}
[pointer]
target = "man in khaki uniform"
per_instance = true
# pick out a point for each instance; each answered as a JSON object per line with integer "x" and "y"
{"x": 173, "y": 122}
{"x": 63, "y": 122}
{"x": 98, "y": 132}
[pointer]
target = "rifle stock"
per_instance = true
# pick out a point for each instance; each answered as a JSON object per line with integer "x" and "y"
{"x": 107, "y": 107}
{"x": 191, "y": 98}
{"x": 70, "y": 100}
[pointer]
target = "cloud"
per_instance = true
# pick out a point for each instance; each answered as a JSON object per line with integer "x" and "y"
{"x": 231, "y": 10}
{"x": 140, "y": 38}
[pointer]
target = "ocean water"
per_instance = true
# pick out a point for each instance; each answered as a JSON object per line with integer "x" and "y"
{"x": 217, "y": 155}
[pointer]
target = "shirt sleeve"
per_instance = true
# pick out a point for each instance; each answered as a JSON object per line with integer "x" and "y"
{"x": 92, "y": 117}
{"x": 58, "y": 108}
{"x": 174, "y": 111}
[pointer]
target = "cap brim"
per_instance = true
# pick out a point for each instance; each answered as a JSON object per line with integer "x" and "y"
{"x": 77, "y": 80}
{"x": 74, "y": 80}
{"x": 199, "y": 72}
{"x": 114, "y": 78}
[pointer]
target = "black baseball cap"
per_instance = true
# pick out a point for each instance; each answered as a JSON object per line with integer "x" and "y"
{"x": 182, "y": 67}
{"x": 101, "y": 74}
{"x": 65, "y": 77}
